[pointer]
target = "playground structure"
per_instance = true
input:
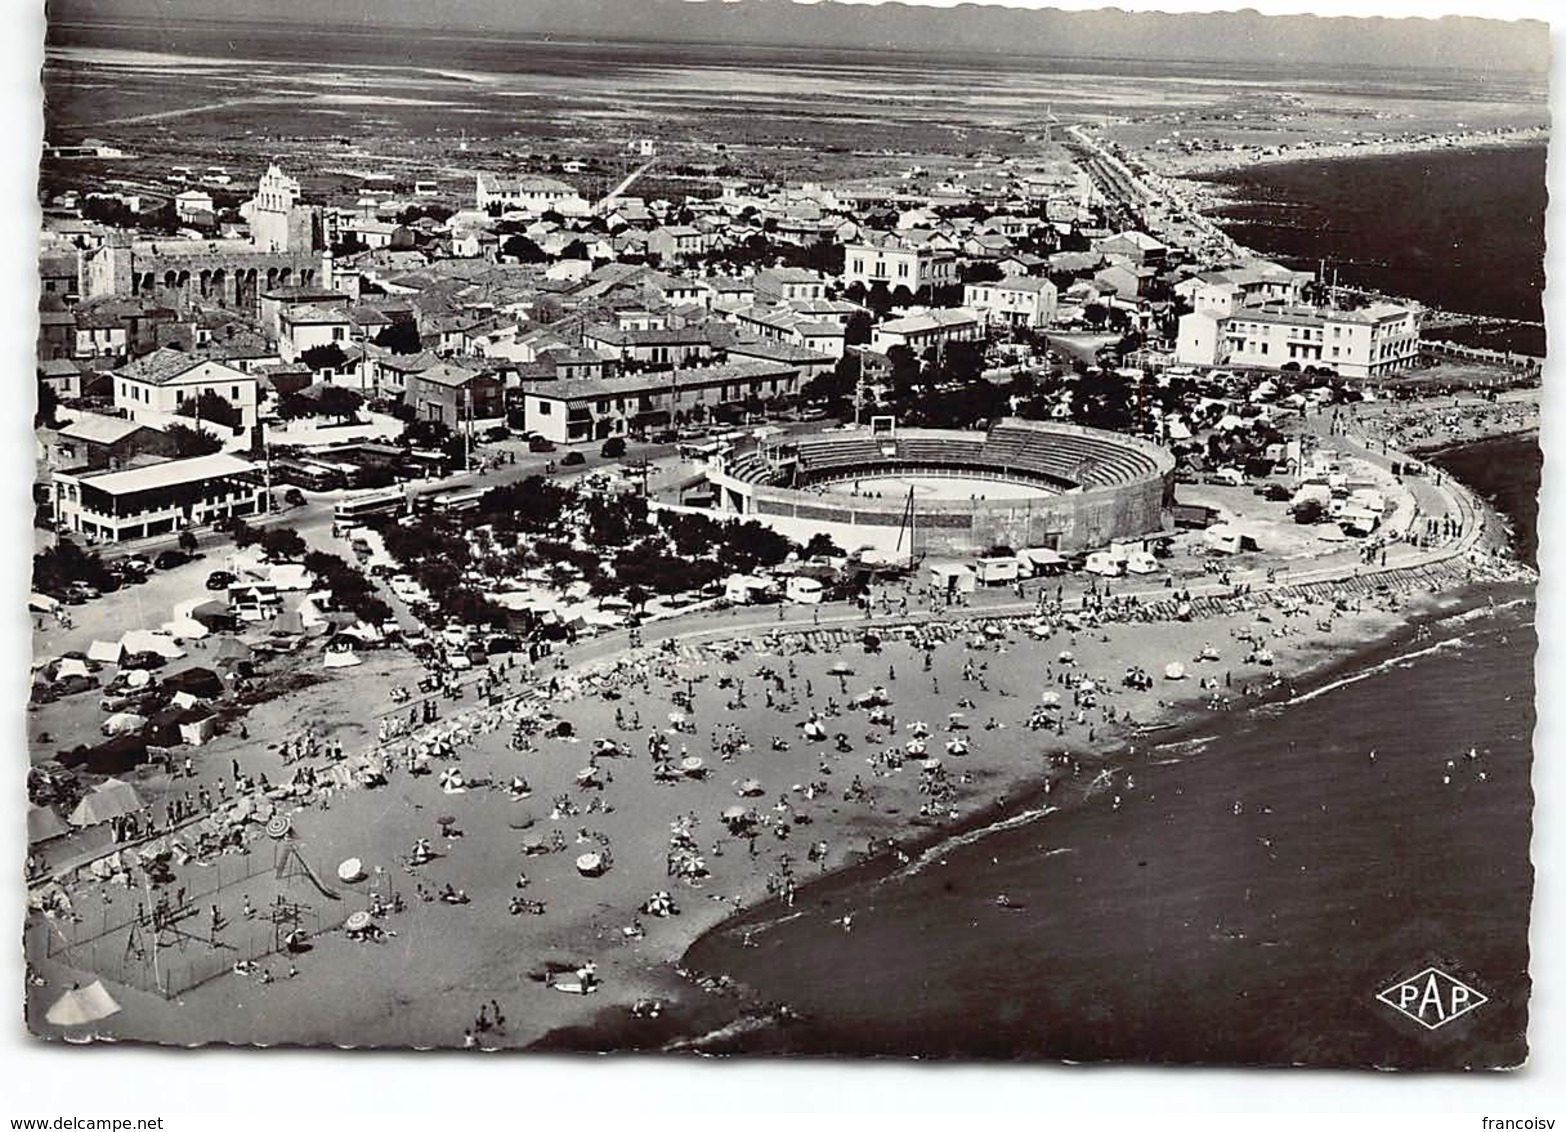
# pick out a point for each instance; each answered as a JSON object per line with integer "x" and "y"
{"x": 170, "y": 938}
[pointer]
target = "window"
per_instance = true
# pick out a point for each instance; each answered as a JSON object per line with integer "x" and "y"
{"x": 902, "y": 270}
{"x": 235, "y": 397}
{"x": 545, "y": 409}
{"x": 337, "y": 334}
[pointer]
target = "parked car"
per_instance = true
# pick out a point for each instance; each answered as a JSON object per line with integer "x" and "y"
{"x": 540, "y": 444}
{"x": 572, "y": 459}
{"x": 667, "y": 436}
{"x": 294, "y": 497}
{"x": 220, "y": 580}
{"x": 170, "y": 559}
{"x": 613, "y": 448}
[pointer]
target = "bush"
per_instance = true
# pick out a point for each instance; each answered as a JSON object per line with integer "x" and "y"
{"x": 613, "y": 448}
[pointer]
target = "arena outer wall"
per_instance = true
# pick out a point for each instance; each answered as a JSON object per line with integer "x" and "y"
{"x": 1124, "y": 494}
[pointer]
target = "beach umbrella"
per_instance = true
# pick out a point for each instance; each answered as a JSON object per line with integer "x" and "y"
{"x": 692, "y": 765}
{"x": 735, "y": 814}
{"x": 1067, "y": 657}
{"x": 586, "y": 775}
{"x": 451, "y": 780}
{"x": 931, "y": 764}
{"x": 82, "y": 1005}
{"x": 840, "y": 669}
{"x": 914, "y": 747}
{"x": 919, "y": 728}
{"x": 357, "y": 922}
{"x": 1050, "y": 698}
{"x": 590, "y": 865}
{"x": 277, "y": 828}
{"x": 350, "y": 871}
{"x": 1174, "y": 670}
{"x": 750, "y": 788}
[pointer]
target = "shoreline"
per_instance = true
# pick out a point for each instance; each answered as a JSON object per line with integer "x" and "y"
{"x": 709, "y": 1004}
{"x": 648, "y": 967}
{"x": 1198, "y": 168}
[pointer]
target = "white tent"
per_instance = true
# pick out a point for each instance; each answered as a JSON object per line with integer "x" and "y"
{"x": 1042, "y": 560}
{"x": 70, "y": 666}
{"x": 42, "y": 603}
{"x": 289, "y": 576}
{"x": 145, "y": 640}
{"x": 124, "y": 723}
{"x": 105, "y": 652}
{"x": 112, "y": 798}
{"x": 186, "y": 630}
{"x": 82, "y": 1005}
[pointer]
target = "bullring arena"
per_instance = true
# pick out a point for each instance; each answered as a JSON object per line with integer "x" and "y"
{"x": 1021, "y": 484}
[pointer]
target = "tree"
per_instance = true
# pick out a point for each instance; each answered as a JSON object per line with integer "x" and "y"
{"x": 983, "y": 271}
{"x": 340, "y": 402}
{"x": 330, "y": 356}
{"x": 856, "y": 331}
{"x": 1094, "y": 314}
{"x": 48, "y": 404}
{"x": 350, "y": 244}
{"x": 210, "y": 406}
{"x": 613, "y": 448}
{"x": 821, "y": 545}
{"x": 193, "y": 441}
{"x": 282, "y": 544}
{"x": 400, "y": 337}
{"x": 523, "y": 250}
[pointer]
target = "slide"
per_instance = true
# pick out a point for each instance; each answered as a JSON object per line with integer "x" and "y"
{"x": 304, "y": 866}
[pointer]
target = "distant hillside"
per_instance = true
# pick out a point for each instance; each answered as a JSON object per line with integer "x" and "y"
{"x": 1238, "y": 37}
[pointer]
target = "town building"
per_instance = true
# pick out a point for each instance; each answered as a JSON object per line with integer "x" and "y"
{"x": 156, "y": 499}
{"x": 452, "y": 394}
{"x": 1369, "y": 342}
{"x": 587, "y": 410}
{"x": 530, "y": 194}
{"x": 152, "y": 390}
{"x": 94, "y": 442}
{"x": 1018, "y": 301}
{"x": 932, "y": 328}
{"x": 898, "y": 264}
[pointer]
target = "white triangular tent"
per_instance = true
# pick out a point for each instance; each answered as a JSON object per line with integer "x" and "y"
{"x": 105, "y": 652}
{"x": 81, "y": 1005}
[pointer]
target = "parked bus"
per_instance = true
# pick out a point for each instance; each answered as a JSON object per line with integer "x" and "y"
{"x": 307, "y": 474}
{"x": 452, "y": 502}
{"x": 354, "y": 510}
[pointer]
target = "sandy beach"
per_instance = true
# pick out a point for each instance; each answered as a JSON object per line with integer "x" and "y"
{"x": 1040, "y": 697}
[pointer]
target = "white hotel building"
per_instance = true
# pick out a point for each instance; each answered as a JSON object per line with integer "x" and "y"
{"x": 1370, "y": 342}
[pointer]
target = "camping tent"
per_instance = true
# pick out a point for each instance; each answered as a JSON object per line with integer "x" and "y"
{"x": 145, "y": 640}
{"x": 81, "y": 1005}
{"x": 113, "y": 798}
{"x": 43, "y": 823}
{"x": 124, "y": 723}
{"x": 42, "y": 603}
{"x": 1043, "y": 560}
{"x": 188, "y": 629}
{"x": 70, "y": 666}
{"x": 105, "y": 652}
{"x": 201, "y": 682}
{"x": 197, "y": 725}
{"x": 286, "y": 623}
